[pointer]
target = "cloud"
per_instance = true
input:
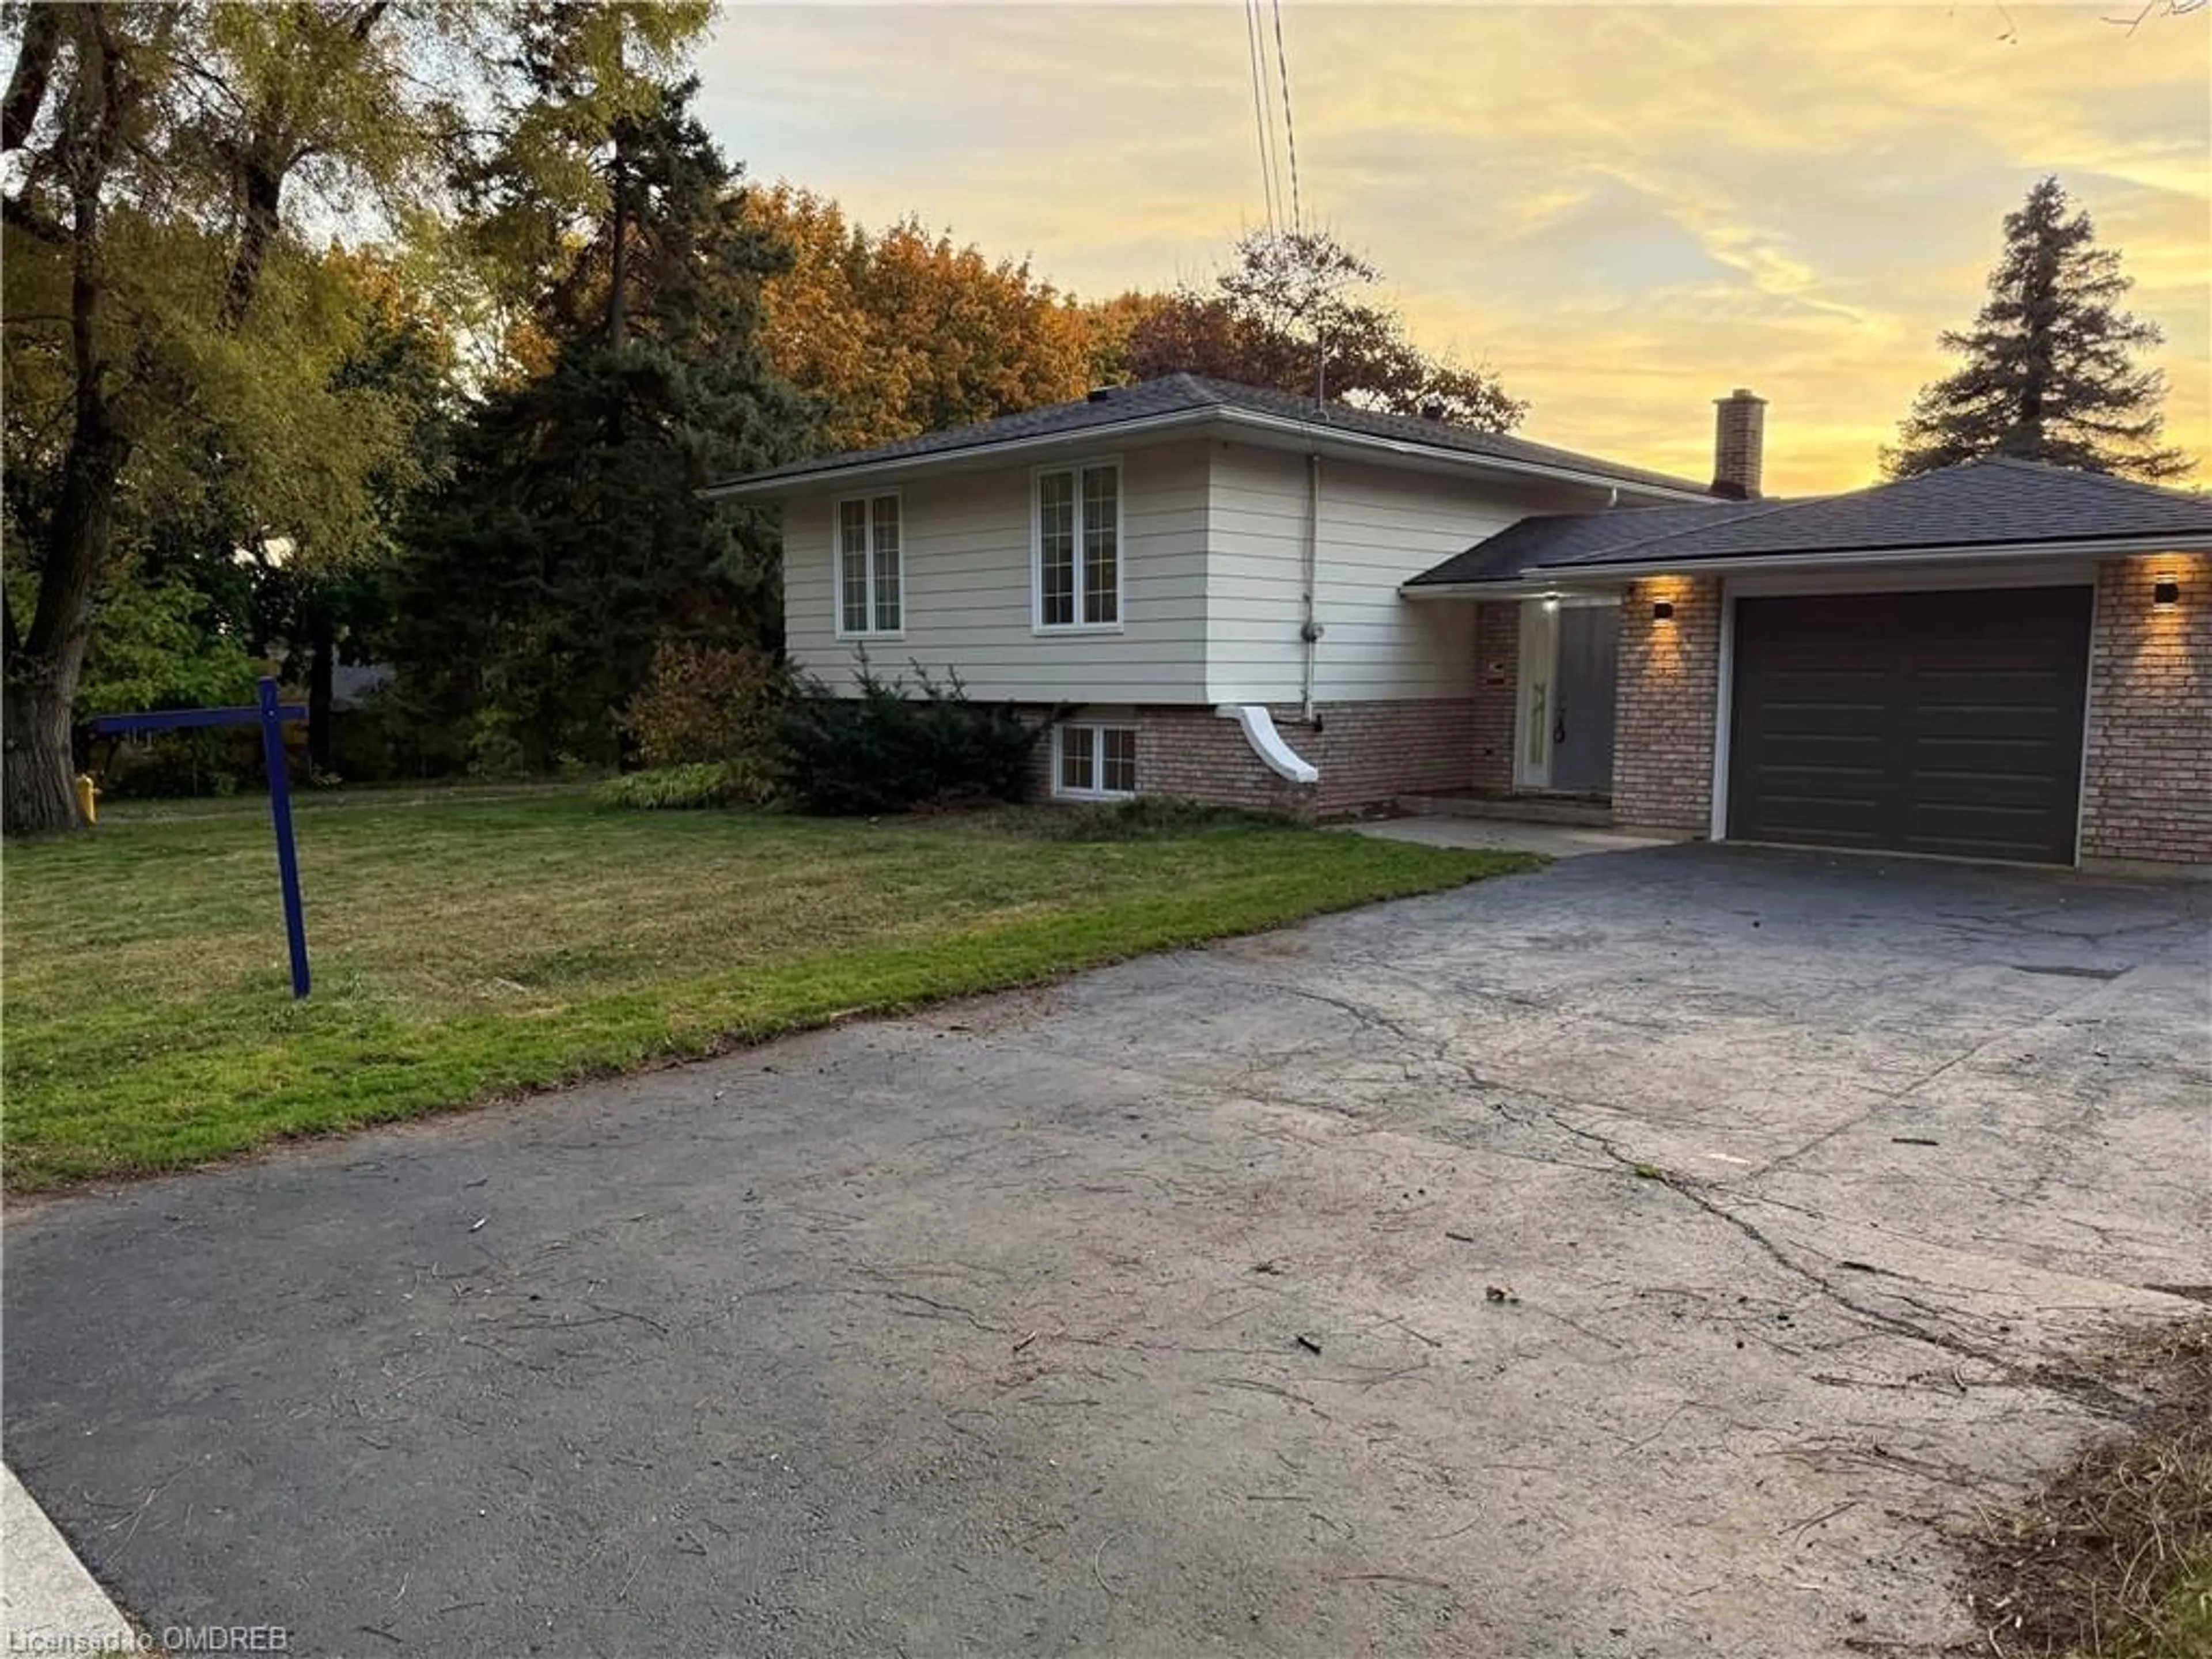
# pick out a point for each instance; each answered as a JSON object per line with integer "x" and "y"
{"x": 1624, "y": 211}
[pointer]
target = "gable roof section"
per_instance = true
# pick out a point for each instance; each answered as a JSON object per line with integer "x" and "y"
{"x": 1179, "y": 399}
{"x": 1995, "y": 502}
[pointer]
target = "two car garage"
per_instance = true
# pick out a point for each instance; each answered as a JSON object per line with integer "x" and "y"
{"x": 1946, "y": 722}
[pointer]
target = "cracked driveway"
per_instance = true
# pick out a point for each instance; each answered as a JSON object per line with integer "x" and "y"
{"x": 1152, "y": 1312}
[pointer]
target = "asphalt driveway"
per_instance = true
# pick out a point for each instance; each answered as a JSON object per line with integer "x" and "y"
{"x": 1638, "y": 1258}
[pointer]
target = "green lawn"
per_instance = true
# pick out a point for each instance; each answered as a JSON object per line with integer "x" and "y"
{"x": 470, "y": 944}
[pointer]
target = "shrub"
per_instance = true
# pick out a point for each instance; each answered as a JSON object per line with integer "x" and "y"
{"x": 172, "y": 765}
{"x": 704, "y": 704}
{"x": 884, "y": 752}
{"x": 675, "y": 788}
{"x": 494, "y": 746}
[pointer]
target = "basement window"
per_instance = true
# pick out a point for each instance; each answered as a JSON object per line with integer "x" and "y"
{"x": 1094, "y": 763}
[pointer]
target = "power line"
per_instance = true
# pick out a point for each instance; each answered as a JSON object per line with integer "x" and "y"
{"x": 1290, "y": 132}
{"x": 1256, "y": 48}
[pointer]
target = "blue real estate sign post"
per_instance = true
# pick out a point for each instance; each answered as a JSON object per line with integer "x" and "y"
{"x": 270, "y": 715}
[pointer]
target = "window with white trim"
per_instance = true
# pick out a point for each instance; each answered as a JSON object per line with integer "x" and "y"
{"x": 1079, "y": 547}
{"x": 1094, "y": 761}
{"x": 870, "y": 573}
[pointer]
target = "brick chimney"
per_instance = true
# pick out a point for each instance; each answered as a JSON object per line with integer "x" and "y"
{"x": 1739, "y": 440}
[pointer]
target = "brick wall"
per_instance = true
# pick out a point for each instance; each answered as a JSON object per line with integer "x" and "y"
{"x": 1497, "y": 647}
{"x": 1662, "y": 757}
{"x": 1368, "y": 753}
{"x": 2147, "y": 761}
{"x": 1196, "y": 755}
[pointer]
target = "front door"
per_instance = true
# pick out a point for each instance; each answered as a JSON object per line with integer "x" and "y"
{"x": 1568, "y": 651}
{"x": 1581, "y": 703}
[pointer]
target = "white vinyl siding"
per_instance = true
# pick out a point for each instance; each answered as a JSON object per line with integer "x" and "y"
{"x": 1079, "y": 539}
{"x": 1207, "y": 557}
{"x": 870, "y": 578}
{"x": 969, "y": 598}
{"x": 1378, "y": 526}
{"x": 1095, "y": 762}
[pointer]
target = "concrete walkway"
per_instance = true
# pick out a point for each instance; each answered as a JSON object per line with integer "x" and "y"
{"x": 1557, "y": 841}
{"x": 48, "y": 1602}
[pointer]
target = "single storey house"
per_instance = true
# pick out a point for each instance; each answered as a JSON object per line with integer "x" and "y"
{"x": 1260, "y": 599}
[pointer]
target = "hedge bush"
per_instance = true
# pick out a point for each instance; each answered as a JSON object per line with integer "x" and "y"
{"x": 705, "y": 703}
{"x": 886, "y": 750}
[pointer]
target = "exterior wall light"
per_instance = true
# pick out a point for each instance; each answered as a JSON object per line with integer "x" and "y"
{"x": 1662, "y": 610}
{"x": 2165, "y": 594}
{"x": 1551, "y": 602}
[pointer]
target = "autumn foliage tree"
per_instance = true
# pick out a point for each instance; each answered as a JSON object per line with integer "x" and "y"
{"x": 1288, "y": 312}
{"x": 901, "y": 330}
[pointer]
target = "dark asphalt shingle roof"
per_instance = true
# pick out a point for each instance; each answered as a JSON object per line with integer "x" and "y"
{"x": 1175, "y": 394}
{"x": 1998, "y": 501}
{"x": 1560, "y": 537}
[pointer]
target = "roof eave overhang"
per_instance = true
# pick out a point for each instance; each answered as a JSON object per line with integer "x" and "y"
{"x": 950, "y": 460}
{"x": 1321, "y": 435}
{"x": 1276, "y": 431}
{"x": 1870, "y": 558}
{"x": 1505, "y": 588}
{"x": 1535, "y": 581}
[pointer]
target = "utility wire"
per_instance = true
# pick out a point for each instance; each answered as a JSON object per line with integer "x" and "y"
{"x": 1256, "y": 47}
{"x": 1290, "y": 133}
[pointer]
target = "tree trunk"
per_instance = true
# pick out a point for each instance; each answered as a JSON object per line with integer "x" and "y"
{"x": 618, "y": 278}
{"x": 41, "y": 789}
{"x": 27, "y": 83}
{"x": 264, "y": 189}
{"x": 322, "y": 658}
{"x": 37, "y": 790}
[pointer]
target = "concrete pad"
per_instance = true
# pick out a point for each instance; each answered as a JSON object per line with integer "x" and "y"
{"x": 1557, "y": 841}
{"x": 1556, "y": 1267}
{"x": 48, "y": 1602}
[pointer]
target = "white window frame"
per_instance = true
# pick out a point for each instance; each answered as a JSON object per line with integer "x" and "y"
{"x": 1037, "y": 475}
{"x": 837, "y": 567}
{"x": 1097, "y": 729}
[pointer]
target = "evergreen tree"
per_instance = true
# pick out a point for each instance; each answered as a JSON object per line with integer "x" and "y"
{"x": 570, "y": 541}
{"x": 2049, "y": 373}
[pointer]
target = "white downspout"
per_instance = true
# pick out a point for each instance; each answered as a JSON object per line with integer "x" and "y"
{"x": 1259, "y": 728}
{"x": 1309, "y": 631}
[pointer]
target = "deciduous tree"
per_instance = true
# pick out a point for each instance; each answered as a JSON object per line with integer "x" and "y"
{"x": 1287, "y": 313}
{"x": 901, "y": 330}
{"x": 166, "y": 326}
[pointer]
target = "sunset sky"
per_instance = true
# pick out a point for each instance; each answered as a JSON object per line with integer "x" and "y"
{"x": 1624, "y": 211}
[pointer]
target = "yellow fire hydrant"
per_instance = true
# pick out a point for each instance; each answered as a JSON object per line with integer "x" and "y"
{"x": 88, "y": 798}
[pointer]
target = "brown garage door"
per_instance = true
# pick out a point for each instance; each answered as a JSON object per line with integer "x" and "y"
{"x": 1944, "y": 722}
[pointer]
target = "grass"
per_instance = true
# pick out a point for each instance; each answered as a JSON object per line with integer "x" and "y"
{"x": 469, "y": 945}
{"x": 2111, "y": 1557}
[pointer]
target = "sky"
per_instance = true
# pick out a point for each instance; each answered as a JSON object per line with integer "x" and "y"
{"x": 1624, "y": 212}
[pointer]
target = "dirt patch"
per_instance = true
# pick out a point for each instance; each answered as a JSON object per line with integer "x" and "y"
{"x": 2112, "y": 1557}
